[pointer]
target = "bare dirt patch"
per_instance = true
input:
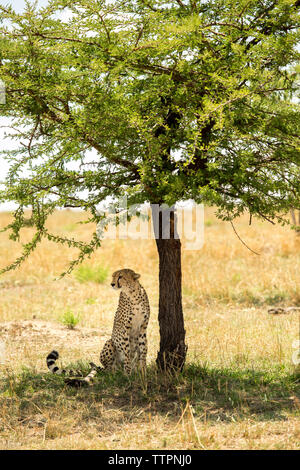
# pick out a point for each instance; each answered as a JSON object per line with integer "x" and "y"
{"x": 38, "y": 337}
{"x": 39, "y": 330}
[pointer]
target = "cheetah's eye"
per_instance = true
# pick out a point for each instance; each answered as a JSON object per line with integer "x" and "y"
{"x": 120, "y": 277}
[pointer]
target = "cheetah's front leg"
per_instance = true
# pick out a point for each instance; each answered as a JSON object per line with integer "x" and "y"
{"x": 125, "y": 355}
{"x": 143, "y": 348}
{"x": 122, "y": 347}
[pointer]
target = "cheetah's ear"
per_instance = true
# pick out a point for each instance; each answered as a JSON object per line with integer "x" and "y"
{"x": 136, "y": 276}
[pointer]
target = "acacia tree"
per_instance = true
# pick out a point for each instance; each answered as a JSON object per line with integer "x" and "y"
{"x": 182, "y": 99}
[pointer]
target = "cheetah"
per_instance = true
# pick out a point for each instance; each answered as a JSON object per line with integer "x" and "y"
{"x": 127, "y": 346}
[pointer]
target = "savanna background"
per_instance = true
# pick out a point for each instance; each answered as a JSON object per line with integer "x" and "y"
{"x": 239, "y": 389}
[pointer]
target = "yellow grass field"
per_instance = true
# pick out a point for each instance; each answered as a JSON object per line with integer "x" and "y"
{"x": 240, "y": 387}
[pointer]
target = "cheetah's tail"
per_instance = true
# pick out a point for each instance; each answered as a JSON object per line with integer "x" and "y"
{"x": 51, "y": 364}
{"x": 87, "y": 380}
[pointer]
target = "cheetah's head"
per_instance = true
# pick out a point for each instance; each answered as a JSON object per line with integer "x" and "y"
{"x": 124, "y": 278}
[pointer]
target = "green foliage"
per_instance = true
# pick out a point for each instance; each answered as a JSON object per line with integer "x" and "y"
{"x": 86, "y": 273}
{"x": 178, "y": 100}
{"x": 70, "y": 319}
{"x": 208, "y": 223}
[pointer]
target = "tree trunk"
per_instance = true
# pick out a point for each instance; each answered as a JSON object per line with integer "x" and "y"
{"x": 294, "y": 220}
{"x": 172, "y": 353}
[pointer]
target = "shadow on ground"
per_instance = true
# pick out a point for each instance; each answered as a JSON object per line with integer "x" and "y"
{"x": 215, "y": 394}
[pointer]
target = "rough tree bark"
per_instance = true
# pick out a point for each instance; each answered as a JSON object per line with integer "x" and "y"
{"x": 294, "y": 220}
{"x": 172, "y": 353}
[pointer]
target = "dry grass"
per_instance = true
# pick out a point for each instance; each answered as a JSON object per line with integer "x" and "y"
{"x": 239, "y": 389}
